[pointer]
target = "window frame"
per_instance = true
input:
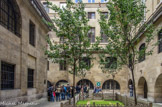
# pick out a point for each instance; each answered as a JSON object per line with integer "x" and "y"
{"x": 91, "y": 34}
{"x": 10, "y": 16}
{"x": 32, "y": 34}
{"x": 142, "y": 58}
{"x": 63, "y": 65}
{"x": 30, "y": 81}
{"x": 160, "y": 42}
{"x": 12, "y": 67}
{"x": 90, "y": 15}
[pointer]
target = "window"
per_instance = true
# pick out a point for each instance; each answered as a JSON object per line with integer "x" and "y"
{"x": 7, "y": 76}
{"x": 104, "y": 1}
{"x": 10, "y": 17}
{"x": 46, "y": 7}
{"x": 30, "y": 78}
{"x": 91, "y": 15}
{"x": 141, "y": 53}
{"x": 91, "y": 1}
{"x": 103, "y": 37}
{"x": 91, "y": 35}
{"x": 62, "y": 5}
{"x": 87, "y": 61}
{"x": 109, "y": 84}
{"x": 63, "y": 65}
{"x": 77, "y": 1}
{"x": 111, "y": 62}
{"x": 160, "y": 39}
{"x": 47, "y": 65}
{"x": 105, "y": 14}
{"x": 32, "y": 33}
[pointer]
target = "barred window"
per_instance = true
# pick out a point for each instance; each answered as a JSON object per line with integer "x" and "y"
{"x": 109, "y": 84}
{"x": 10, "y": 17}
{"x": 111, "y": 62}
{"x": 87, "y": 61}
{"x": 30, "y": 78}
{"x": 32, "y": 33}
{"x": 141, "y": 53}
{"x": 7, "y": 76}
{"x": 91, "y": 15}
{"x": 91, "y": 35}
{"x": 160, "y": 39}
{"x": 63, "y": 65}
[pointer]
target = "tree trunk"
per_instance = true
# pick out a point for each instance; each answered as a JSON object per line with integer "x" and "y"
{"x": 134, "y": 87}
{"x": 83, "y": 88}
{"x": 113, "y": 87}
{"x": 74, "y": 82}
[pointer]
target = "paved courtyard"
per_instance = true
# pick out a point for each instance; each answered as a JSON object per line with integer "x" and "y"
{"x": 41, "y": 103}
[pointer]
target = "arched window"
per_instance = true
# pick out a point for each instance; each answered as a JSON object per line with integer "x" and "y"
{"x": 10, "y": 17}
{"x": 160, "y": 39}
{"x": 86, "y": 82}
{"x": 109, "y": 84}
{"x": 141, "y": 53}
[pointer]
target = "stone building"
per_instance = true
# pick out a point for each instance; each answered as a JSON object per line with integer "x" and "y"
{"x": 148, "y": 72}
{"x": 23, "y": 64}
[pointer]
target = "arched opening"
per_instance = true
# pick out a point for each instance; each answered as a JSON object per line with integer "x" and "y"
{"x": 109, "y": 84}
{"x": 10, "y": 16}
{"x": 61, "y": 82}
{"x": 86, "y": 82}
{"x": 158, "y": 89}
{"x": 142, "y": 88}
{"x": 130, "y": 82}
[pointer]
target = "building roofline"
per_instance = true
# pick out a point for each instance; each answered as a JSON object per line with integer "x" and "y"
{"x": 152, "y": 19}
{"x": 40, "y": 10}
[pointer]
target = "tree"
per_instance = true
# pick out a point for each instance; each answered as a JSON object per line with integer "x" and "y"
{"x": 108, "y": 66}
{"x": 71, "y": 26}
{"x": 124, "y": 20}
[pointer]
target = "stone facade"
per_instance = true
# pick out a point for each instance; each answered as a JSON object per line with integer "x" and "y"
{"x": 17, "y": 51}
{"x": 149, "y": 70}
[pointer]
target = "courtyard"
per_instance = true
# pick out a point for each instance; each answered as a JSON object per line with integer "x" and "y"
{"x": 81, "y": 53}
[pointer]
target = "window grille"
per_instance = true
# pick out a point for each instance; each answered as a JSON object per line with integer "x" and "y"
{"x": 63, "y": 65}
{"x": 10, "y": 16}
{"x": 7, "y": 76}
{"x": 30, "y": 78}
{"x": 109, "y": 85}
{"x": 91, "y": 15}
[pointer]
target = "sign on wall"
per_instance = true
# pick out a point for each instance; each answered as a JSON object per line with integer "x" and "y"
{"x": 98, "y": 84}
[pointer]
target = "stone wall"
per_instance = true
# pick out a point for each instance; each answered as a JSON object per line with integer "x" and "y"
{"x": 17, "y": 50}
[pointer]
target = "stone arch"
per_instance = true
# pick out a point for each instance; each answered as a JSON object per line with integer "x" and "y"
{"x": 86, "y": 82}
{"x": 158, "y": 89}
{"x": 61, "y": 82}
{"x": 142, "y": 89}
{"x": 108, "y": 84}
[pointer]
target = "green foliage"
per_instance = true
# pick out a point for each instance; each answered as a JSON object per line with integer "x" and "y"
{"x": 125, "y": 18}
{"x": 71, "y": 25}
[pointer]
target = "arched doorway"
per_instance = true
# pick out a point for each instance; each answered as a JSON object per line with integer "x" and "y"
{"x": 86, "y": 82}
{"x": 61, "y": 82}
{"x": 109, "y": 84}
{"x": 142, "y": 87}
{"x": 158, "y": 89}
